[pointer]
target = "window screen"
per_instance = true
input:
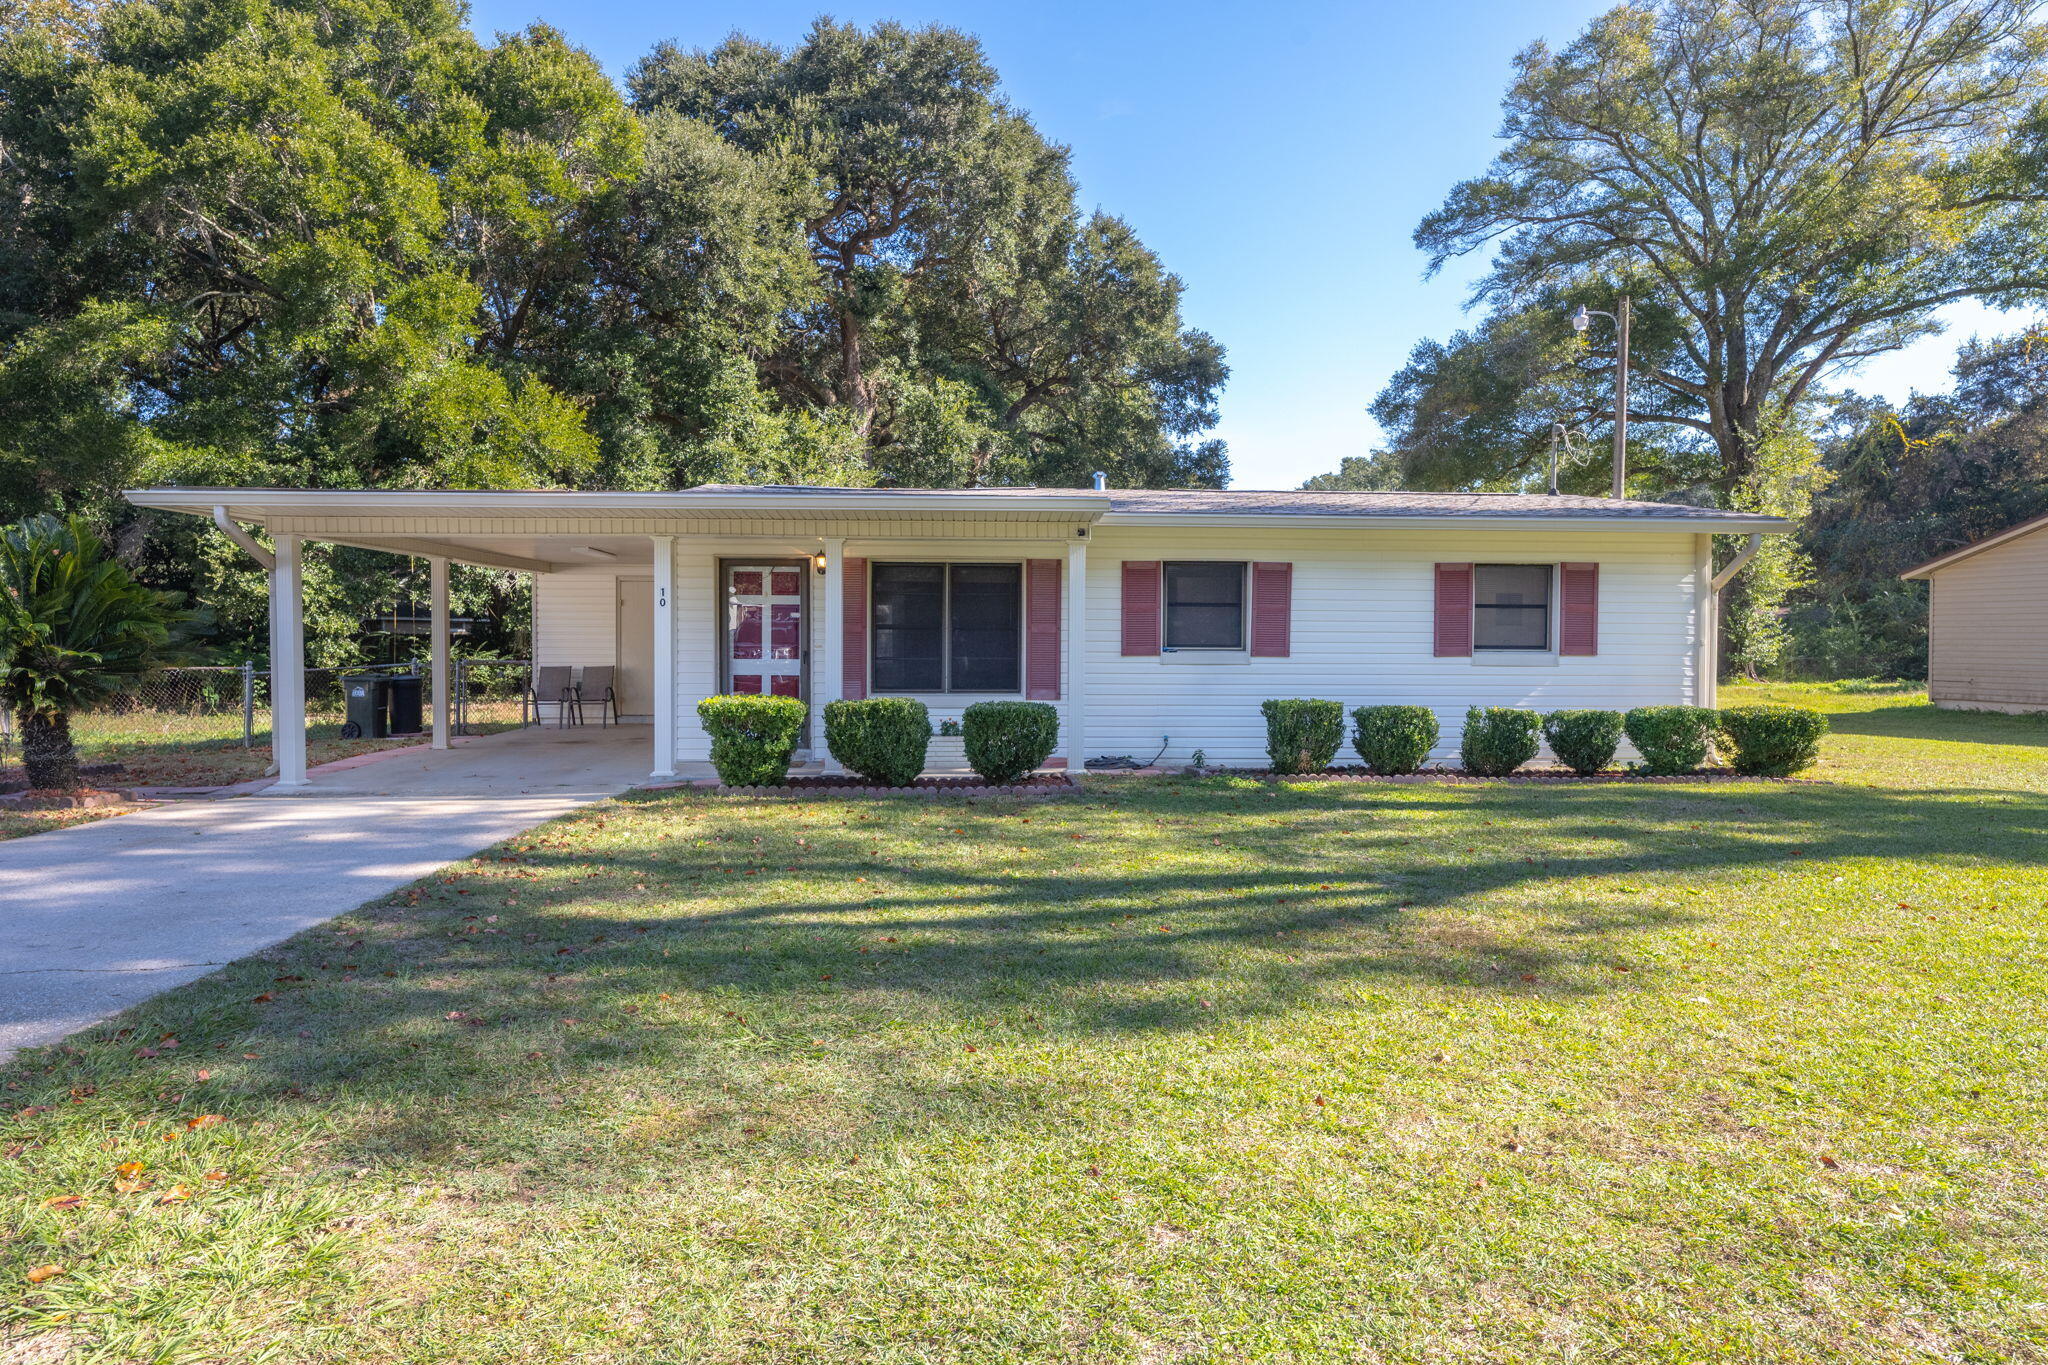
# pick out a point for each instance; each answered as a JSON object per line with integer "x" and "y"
{"x": 987, "y": 613}
{"x": 909, "y": 609}
{"x": 1511, "y": 606}
{"x": 947, "y": 627}
{"x": 1205, "y": 605}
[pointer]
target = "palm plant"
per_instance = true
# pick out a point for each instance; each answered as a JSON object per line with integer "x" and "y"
{"x": 73, "y": 625}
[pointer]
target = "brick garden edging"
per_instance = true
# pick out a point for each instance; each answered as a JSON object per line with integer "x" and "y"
{"x": 1034, "y": 790}
{"x": 1448, "y": 776}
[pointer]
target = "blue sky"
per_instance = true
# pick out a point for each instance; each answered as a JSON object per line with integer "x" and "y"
{"x": 1276, "y": 155}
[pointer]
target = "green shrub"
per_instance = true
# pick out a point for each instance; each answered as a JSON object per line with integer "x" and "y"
{"x": 1394, "y": 739}
{"x": 882, "y": 738}
{"x": 1007, "y": 740}
{"x": 1583, "y": 741}
{"x": 1773, "y": 741}
{"x": 1498, "y": 739}
{"x": 1673, "y": 740}
{"x": 752, "y": 738}
{"x": 1302, "y": 734}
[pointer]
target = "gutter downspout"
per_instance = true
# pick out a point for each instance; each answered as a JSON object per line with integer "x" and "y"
{"x": 242, "y": 538}
{"x": 1735, "y": 565}
{"x": 1720, "y": 581}
{"x": 233, "y": 531}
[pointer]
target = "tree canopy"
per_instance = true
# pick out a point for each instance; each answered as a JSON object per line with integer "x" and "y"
{"x": 1784, "y": 186}
{"x": 964, "y": 321}
{"x": 347, "y": 243}
{"x": 1948, "y": 470}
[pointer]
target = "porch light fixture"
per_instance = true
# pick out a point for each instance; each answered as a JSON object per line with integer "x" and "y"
{"x": 818, "y": 563}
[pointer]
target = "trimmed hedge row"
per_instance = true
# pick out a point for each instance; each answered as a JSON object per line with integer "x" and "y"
{"x": 1302, "y": 735}
{"x": 883, "y": 739}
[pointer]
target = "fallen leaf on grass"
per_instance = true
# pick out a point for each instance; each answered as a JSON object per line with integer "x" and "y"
{"x": 217, "y": 1176}
{"x": 63, "y": 1201}
{"x": 176, "y": 1194}
{"x": 130, "y": 1186}
{"x": 206, "y": 1120}
{"x": 1829, "y": 1162}
{"x": 37, "y": 1274}
{"x": 264, "y": 998}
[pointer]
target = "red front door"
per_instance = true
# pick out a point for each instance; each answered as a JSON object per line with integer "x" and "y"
{"x": 764, "y": 628}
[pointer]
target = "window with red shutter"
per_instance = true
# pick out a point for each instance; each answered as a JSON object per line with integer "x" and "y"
{"x": 1453, "y": 610}
{"x": 1272, "y": 610}
{"x": 1042, "y": 629}
{"x": 853, "y": 638}
{"x": 1579, "y": 602}
{"x": 1141, "y": 607}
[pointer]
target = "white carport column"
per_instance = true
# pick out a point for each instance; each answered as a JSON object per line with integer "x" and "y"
{"x": 288, "y": 663}
{"x": 829, "y": 672}
{"x": 664, "y": 658}
{"x": 1077, "y": 658}
{"x": 437, "y": 612}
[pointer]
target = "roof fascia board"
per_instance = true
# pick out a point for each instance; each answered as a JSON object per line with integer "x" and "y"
{"x": 1934, "y": 566}
{"x": 296, "y": 502}
{"x": 1431, "y": 521}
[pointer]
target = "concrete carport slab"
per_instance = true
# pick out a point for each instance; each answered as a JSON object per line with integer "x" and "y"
{"x": 99, "y": 917}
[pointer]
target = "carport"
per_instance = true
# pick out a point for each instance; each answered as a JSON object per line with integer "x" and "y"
{"x": 443, "y": 529}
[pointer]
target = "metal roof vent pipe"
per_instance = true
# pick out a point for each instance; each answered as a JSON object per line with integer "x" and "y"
{"x": 1101, "y": 482}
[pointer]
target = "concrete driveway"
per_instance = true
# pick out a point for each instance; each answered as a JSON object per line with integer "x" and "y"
{"x": 98, "y": 917}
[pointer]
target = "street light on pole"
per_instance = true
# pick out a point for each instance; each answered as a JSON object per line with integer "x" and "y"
{"x": 1582, "y": 320}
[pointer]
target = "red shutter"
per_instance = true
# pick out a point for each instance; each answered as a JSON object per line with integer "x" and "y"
{"x": 853, "y": 639}
{"x": 1042, "y": 629}
{"x": 1141, "y": 606}
{"x": 1453, "y": 610}
{"x": 1272, "y": 610}
{"x": 1578, "y": 595}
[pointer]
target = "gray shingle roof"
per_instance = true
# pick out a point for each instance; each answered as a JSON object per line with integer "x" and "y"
{"x": 1298, "y": 502}
{"x": 1303, "y": 503}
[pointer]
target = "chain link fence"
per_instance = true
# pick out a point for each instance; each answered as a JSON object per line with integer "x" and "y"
{"x": 202, "y": 710}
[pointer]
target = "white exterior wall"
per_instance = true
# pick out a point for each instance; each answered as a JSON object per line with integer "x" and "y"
{"x": 698, "y": 620}
{"x": 576, "y": 617}
{"x": 1363, "y": 634}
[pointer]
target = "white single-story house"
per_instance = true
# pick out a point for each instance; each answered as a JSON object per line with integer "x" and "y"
{"x": 1155, "y": 621}
{"x": 1987, "y": 622}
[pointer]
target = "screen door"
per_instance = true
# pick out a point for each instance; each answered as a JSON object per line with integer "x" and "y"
{"x": 764, "y": 628}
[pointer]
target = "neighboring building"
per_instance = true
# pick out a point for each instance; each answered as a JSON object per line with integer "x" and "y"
{"x": 1987, "y": 622}
{"x": 1152, "y": 620}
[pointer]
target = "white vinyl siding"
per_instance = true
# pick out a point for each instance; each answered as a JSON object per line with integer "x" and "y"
{"x": 1363, "y": 621}
{"x": 575, "y": 617}
{"x": 698, "y": 620}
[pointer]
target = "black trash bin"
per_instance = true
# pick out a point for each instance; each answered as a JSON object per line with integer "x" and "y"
{"x": 404, "y": 689}
{"x": 367, "y": 700}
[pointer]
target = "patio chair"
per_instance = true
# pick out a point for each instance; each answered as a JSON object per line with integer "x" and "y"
{"x": 551, "y": 686}
{"x": 596, "y": 690}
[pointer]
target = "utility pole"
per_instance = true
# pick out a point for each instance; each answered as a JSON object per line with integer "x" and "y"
{"x": 1583, "y": 319}
{"x": 1621, "y": 399}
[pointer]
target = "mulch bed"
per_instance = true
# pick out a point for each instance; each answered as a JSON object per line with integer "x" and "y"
{"x": 59, "y": 798}
{"x": 827, "y": 788}
{"x": 1550, "y": 776}
{"x": 13, "y": 782}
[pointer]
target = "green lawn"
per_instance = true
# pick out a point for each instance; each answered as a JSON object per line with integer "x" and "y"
{"x": 1184, "y": 1070}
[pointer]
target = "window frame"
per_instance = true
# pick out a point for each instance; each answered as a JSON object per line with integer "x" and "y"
{"x": 1244, "y": 607}
{"x": 946, "y": 688}
{"x": 1550, "y": 608}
